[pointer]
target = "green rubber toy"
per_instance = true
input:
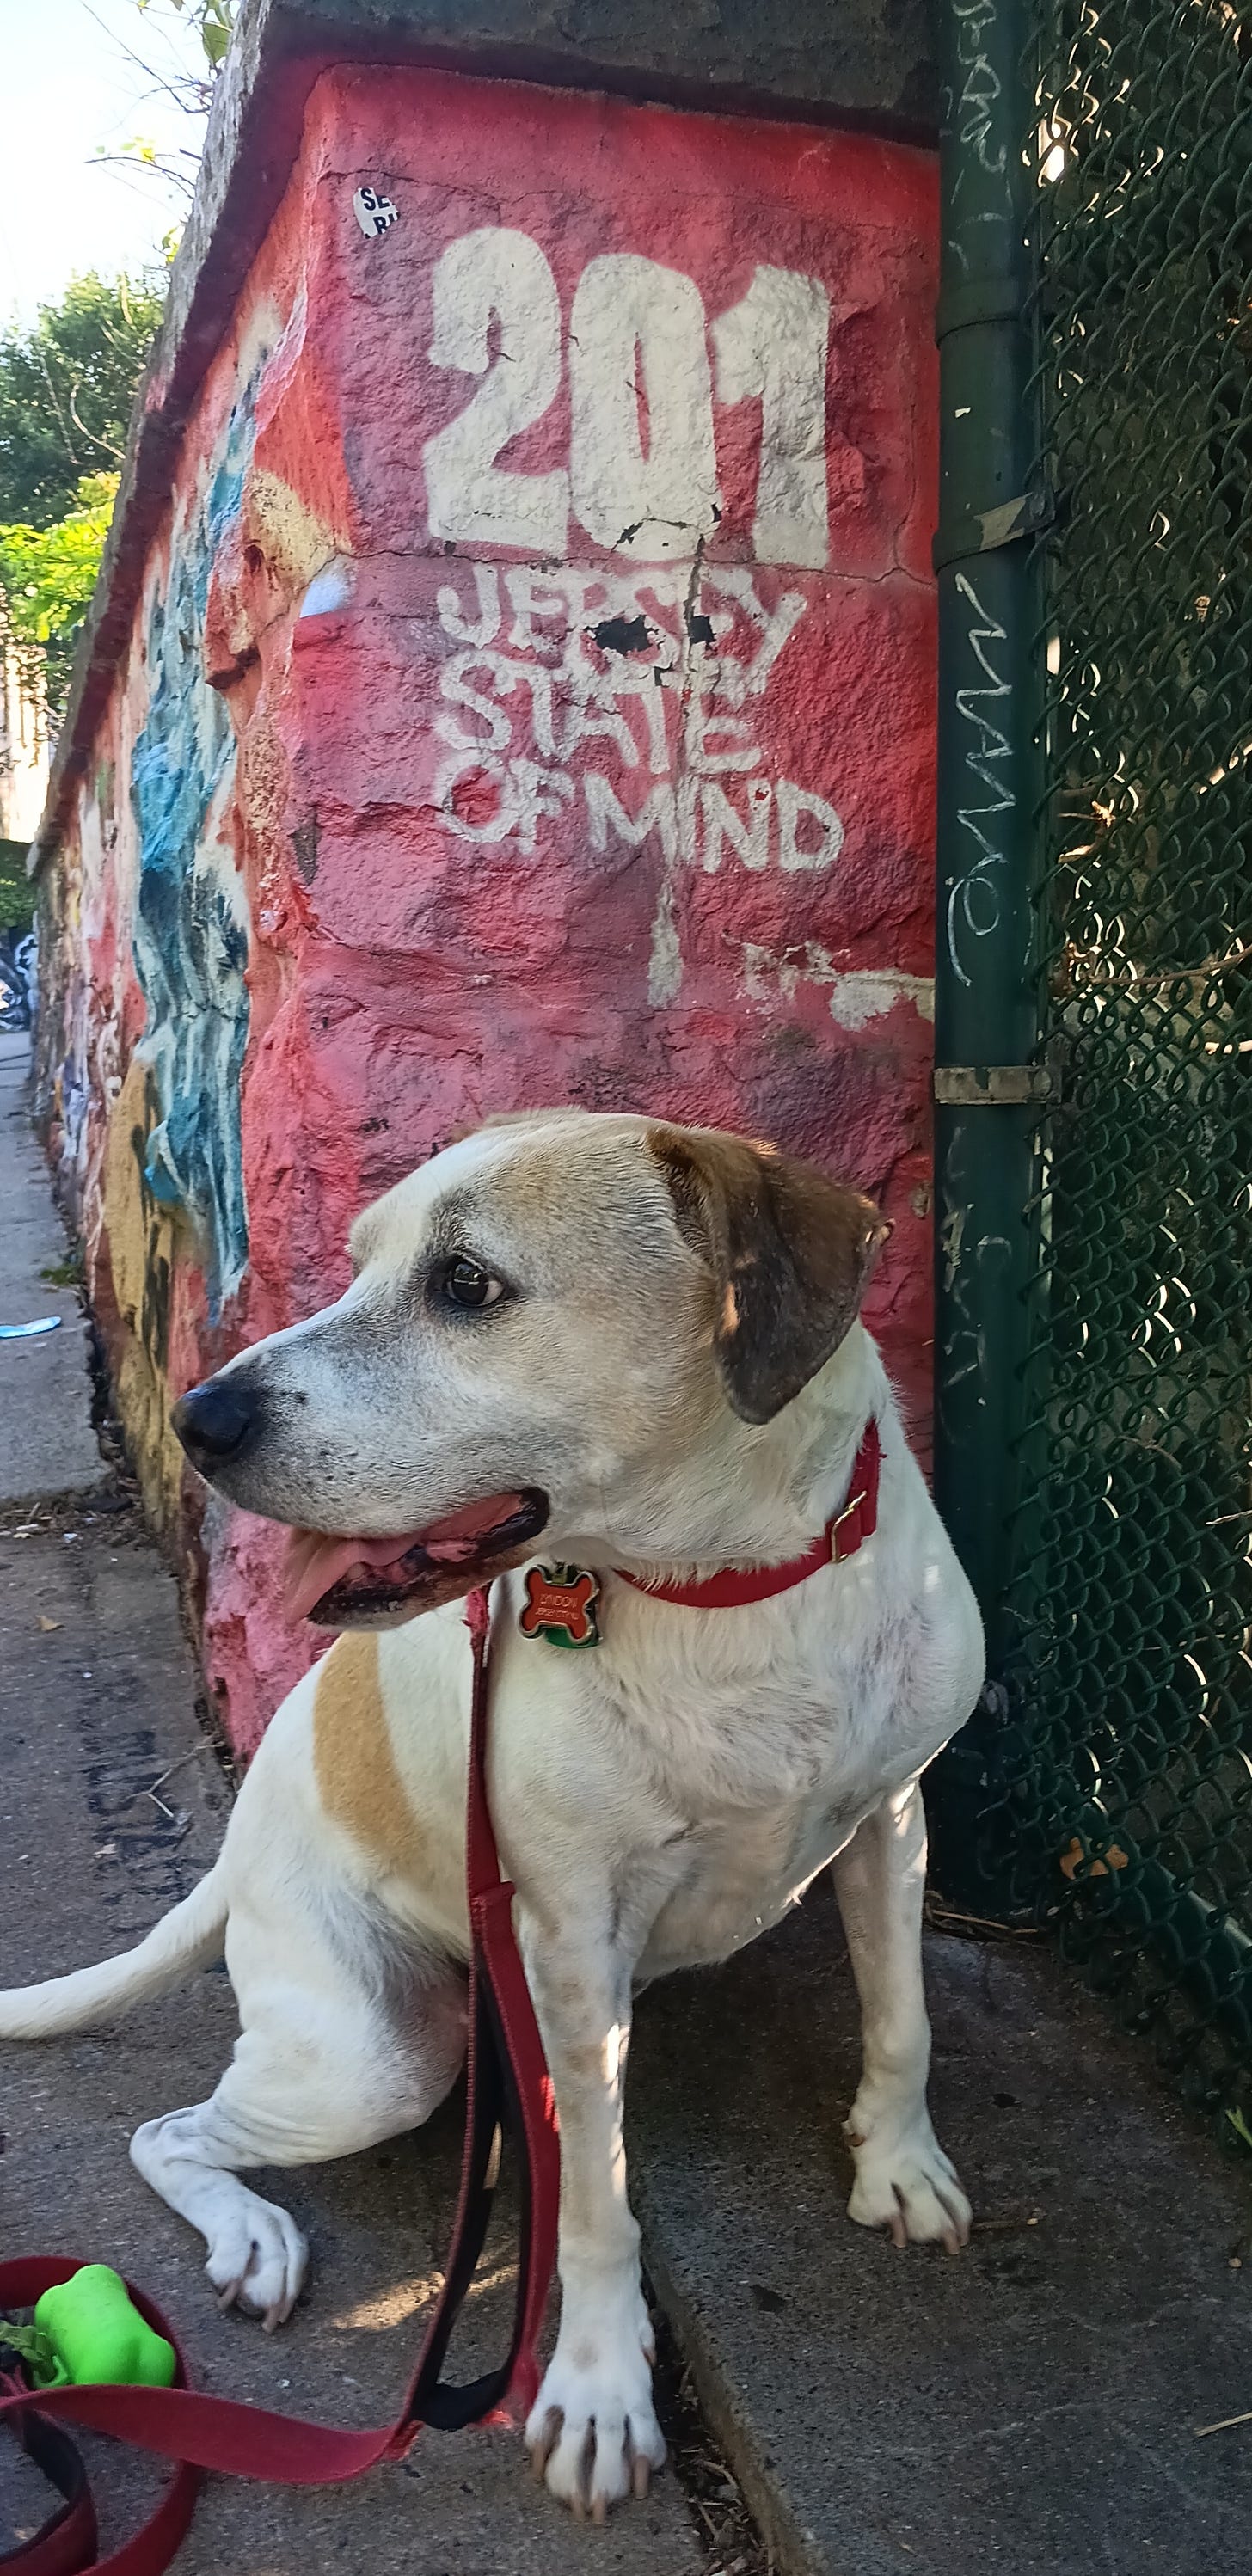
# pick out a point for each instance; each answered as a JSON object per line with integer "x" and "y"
{"x": 94, "y": 2332}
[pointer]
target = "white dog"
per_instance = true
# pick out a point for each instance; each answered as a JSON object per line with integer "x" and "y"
{"x": 643, "y": 1342}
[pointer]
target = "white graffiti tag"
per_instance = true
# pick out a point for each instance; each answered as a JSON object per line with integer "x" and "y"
{"x": 635, "y": 695}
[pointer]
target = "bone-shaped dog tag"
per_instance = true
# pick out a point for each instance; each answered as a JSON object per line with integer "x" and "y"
{"x": 561, "y": 1605}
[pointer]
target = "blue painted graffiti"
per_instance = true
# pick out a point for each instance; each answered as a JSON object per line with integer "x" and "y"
{"x": 190, "y": 933}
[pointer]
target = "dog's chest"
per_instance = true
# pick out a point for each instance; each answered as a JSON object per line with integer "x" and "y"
{"x": 808, "y": 1728}
{"x": 737, "y": 1877}
{"x": 770, "y": 1787}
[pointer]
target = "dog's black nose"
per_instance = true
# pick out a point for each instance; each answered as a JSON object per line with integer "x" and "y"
{"x": 215, "y": 1420}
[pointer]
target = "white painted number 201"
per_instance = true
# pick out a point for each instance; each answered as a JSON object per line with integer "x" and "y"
{"x": 642, "y": 477}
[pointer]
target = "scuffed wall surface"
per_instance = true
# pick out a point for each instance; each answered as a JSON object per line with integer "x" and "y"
{"x": 530, "y": 699}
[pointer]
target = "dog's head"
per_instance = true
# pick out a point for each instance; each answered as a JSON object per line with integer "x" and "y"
{"x": 552, "y": 1313}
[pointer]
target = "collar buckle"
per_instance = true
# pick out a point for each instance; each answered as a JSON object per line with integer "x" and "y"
{"x": 735, "y": 1586}
{"x": 839, "y": 1546}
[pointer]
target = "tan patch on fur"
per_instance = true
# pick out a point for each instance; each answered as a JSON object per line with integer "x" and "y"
{"x": 355, "y": 1768}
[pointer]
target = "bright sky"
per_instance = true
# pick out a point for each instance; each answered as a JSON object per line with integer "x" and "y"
{"x": 67, "y": 86}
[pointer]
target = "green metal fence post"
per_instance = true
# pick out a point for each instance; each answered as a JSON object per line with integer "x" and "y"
{"x": 990, "y": 686}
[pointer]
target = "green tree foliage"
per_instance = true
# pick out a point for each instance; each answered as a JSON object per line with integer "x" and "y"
{"x": 66, "y": 389}
{"x": 47, "y": 576}
{"x": 16, "y": 902}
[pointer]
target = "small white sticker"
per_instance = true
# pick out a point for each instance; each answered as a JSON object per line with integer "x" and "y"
{"x": 374, "y": 212}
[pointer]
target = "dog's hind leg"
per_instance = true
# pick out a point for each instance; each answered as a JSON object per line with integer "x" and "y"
{"x": 904, "y": 2181}
{"x": 313, "y": 2076}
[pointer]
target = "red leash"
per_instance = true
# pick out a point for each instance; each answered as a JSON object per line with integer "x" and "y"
{"x": 508, "y": 2085}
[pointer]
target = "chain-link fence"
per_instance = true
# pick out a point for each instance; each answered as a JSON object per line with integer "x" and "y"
{"x": 1122, "y": 1787}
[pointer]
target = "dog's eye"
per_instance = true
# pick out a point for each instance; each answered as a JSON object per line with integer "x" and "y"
{"x": 466, "y": 1285}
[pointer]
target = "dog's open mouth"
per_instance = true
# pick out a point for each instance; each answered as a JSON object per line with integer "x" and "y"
{"x": 369, "y": 1582}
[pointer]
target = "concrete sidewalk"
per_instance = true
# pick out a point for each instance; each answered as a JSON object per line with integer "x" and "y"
{"x": 46, "y": 1442}
{"x": 1031, "y": 2407}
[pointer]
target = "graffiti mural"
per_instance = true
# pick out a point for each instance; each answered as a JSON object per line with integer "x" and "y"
{"x": 190, "y": 929}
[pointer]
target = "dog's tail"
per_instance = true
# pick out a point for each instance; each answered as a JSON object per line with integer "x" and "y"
{"x": 188, "y": 1937}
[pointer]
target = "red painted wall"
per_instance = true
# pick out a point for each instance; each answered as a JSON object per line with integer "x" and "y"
{"x": 571, "y": 605}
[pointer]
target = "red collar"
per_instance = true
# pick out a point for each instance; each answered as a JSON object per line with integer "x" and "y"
{"x": 844, "y": 1533}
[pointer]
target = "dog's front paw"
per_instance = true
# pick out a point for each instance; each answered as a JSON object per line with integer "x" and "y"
{"x": 592, "y": 2433}
{"x": 257, "y": 2260}
{"x": 905, "y": 2183}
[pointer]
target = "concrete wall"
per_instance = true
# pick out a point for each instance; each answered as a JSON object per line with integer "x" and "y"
{"x": 527, "y": 696}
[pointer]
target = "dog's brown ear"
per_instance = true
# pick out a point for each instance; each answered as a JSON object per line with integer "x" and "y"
{"x": 791, "y": 1255}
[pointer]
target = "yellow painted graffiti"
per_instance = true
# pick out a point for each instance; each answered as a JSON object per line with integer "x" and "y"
{"x": 141, "y": 1243}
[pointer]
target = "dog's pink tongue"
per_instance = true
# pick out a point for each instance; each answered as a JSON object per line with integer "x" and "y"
{"x": 315, "y": 1562}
